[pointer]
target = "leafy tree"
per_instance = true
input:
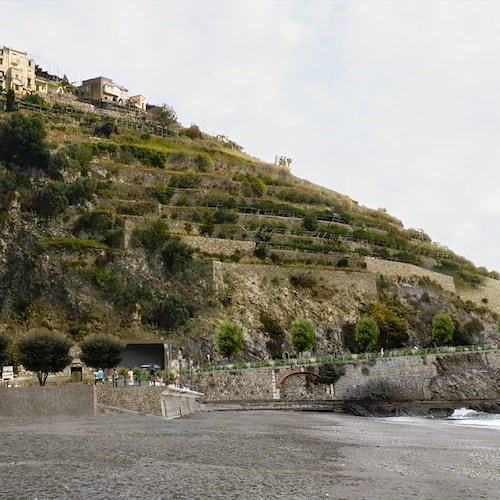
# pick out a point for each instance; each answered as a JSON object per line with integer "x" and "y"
{"x": 4, "y": 343}
{"x": 393, "y": 329}
{"x": 176, "y": 254}
{"x": 107, "y": 127}
{"x": 166, "y": 115}
{"x": 172, "y": 312}
{"x": 442, "y": 328}
{"x": 10, "y": 101}
{"x": 44, "y": 352}
{"x": 229, "y": 339}
{"x": 310, "y": 222}
{"x": 22, "y": 142}
{"x": 101, "y": 351}
{"x": 303, "y": 336}
{"x": 51, "y": 200}
{"x": 366, "y": 333}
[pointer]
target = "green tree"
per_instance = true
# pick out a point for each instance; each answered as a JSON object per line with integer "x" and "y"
{"x": 393, "y": 329}
{"x": 10, "y": 101}
{"x": 44, "y": 352}
{"x": 302, "y": 336}
{"x": 4, "y": 344}
{"x": 229, "y": 339}
{"x": 176, "y": 254}
{"x": 310, "y": 222}
{"x": 442, "y": 328}
{"x": 22, "y": 142}
{"x": 172, "y": 312}
{"x": 101, "y": 351}
{"x": 366, "y": 333}
{"x": 51, "y": 200}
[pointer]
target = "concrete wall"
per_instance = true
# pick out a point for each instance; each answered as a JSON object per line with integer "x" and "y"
{"x": 47, "y": 401}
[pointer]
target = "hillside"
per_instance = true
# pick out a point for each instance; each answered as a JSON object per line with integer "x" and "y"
{"x": 127, "y": 223}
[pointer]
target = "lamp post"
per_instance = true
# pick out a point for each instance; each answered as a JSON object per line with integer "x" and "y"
{"x": 179, "y": 359}
{"x": 190, "y": 373}
{"x": 208, "y": 357}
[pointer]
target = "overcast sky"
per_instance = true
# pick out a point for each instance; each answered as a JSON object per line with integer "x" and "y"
{"x": 394, "y": 104}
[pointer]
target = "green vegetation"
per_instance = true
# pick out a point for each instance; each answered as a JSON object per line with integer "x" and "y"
{"x": 302, "y": 336}
{"x": 366, "y": 333}
{"x": 393, "y": 328}
{"x": 44, "y": 352}
{"x": 22, "y": 142}
{"x": 442, "y": 328}
{"x": 229, "y": 340}
{"x": 101, "y": 351}
{"x": 4, "y": 343}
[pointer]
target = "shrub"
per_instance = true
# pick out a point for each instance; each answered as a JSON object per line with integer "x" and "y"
{"x": 44, "y": 352}
{"x": 147, "y": 156}
{"x": 4, "y": 342}
{"x": 203, "y": 161}
{"x": 260, "y": 251}
{"x": 310, "y": 222}
{"x": 35, "y": 99}
{"x": 176, "y": 254}
{"x": 366, "y": 333}
{"x": 101, "y": 351}
{"x": 193, "y": 132}
{"x": 229, "y": 339}
{"x": 223, "y": 216}
{"x": 303, "y": 280}
{"x": 442, "y": 328}
{"x": 163, "y": 193}
{"x": 83, "y": 189}
{"x": 302, "y": 336}
{"x": 171, "y": 313}
{"x": 50, "y": 200}
{"x": 186, "y": 180}
{"x": 154, "y": 237}
{"x": 22, "y": 142}
{"x": 106, "y": 128}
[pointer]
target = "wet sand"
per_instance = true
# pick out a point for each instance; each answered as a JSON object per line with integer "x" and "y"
{"x": 239, "y": 455}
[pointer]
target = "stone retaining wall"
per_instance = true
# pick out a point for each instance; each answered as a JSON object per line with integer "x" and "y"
{"x": 218, "y": 246}
{"x": 73, "y": 400}
{"x": 142, "y": 399}
{"x": 404, "y": 270}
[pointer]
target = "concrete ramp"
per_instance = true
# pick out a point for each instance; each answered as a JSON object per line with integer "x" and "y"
{"x": 178, "y": 402}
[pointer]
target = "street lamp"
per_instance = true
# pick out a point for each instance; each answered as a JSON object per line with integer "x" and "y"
{"x": 179, "y": 359}
{"x": 191, "y": 374}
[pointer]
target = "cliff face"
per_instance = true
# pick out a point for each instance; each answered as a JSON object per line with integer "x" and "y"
{"x": 151, "y": 237}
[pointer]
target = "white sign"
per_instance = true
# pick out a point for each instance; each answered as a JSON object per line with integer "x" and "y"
{"x": 8, "y": 373}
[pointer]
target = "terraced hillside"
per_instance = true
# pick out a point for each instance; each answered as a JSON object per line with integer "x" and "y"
{"x": 114, "y": 221}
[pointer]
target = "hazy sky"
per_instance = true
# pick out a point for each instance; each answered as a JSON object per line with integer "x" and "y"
{"x": 395, "y": 104}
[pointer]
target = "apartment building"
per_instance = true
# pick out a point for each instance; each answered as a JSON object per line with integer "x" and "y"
{"x": 104, "y": 90}
{"x": 17, "y": 71}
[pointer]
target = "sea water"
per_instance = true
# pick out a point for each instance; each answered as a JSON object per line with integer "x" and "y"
{"x": 460, "y": 417}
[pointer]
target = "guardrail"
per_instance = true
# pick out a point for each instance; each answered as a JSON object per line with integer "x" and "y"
{"x": 342, "y": 358}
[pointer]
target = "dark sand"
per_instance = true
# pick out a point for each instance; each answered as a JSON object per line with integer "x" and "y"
{"x": 260, "y": 454}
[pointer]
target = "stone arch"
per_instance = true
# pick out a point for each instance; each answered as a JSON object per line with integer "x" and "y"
{"x": 295, "y": 371}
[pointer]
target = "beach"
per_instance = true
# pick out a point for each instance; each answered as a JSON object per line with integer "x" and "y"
{"x": 253, "y": 454}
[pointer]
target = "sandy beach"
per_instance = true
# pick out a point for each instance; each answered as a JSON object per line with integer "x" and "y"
{"x": 234, "y": 455}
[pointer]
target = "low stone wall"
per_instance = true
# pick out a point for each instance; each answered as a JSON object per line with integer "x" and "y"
{"x": 47, "y": 401}
{"x": 486, "y": 294}
{"x": 218, "y": 246}
{"x": 141, "y": 399}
